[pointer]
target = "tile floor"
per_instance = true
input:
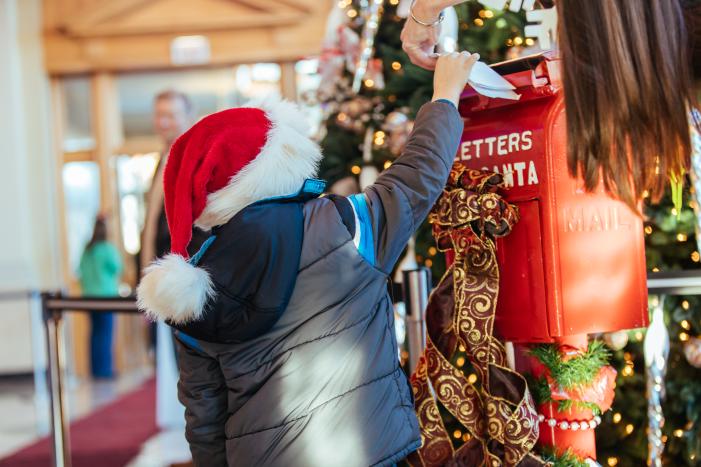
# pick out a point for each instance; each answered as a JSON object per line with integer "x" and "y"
{"x": 25, "y": 415}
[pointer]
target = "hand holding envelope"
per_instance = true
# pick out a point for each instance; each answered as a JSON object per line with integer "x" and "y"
{"x": 489, "y": 83}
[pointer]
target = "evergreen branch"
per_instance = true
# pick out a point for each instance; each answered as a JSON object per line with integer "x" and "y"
{"x": 566, "y": 459}
{"x": 578, "y": 371}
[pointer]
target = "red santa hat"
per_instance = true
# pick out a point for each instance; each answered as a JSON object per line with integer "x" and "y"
{"x": 222, "y": 164}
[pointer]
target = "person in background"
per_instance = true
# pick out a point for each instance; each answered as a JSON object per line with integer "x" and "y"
{"x": 172, "y": 115}
{"x": 100, "y": 269}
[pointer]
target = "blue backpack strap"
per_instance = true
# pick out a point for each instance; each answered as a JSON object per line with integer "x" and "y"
{"x": 363, "y": 237}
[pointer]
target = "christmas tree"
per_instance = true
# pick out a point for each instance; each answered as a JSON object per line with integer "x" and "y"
{"x": 379, "y": 117}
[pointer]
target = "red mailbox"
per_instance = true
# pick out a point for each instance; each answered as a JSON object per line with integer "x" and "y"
{"x": 575, "y": 263}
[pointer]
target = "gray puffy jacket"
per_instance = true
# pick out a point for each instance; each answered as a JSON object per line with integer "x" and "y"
{"x": 324, "y": 387}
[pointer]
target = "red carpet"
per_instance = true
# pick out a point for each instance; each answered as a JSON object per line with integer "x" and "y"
{"x": 109, "y": 437}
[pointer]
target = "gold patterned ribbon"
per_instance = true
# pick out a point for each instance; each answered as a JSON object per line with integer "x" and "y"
{"x": 497, "y": 409}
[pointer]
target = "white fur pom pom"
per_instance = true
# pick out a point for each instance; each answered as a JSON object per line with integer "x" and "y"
{"x": 172, "y": 289}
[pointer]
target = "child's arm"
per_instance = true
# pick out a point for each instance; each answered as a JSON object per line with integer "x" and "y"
{"x": 202, "y": 390}
{"x": 398, "y": 202}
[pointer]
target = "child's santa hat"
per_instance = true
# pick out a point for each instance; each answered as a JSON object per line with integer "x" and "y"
{"x": 222, "y": 164}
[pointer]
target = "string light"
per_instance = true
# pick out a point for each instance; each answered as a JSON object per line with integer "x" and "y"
{"x": 461, "y": 347}
{"x": 489, "y": 14}
{"x": 518, "y": 40}
{"x": 396, "y": 66}
{"x": 432, "y": 252}
{"x": 472, "y": 379}
{"x": 392, "y": 98}
{"x": 482, "y": 13}
{"x": 681, "y": 237}
{"x": 394, "y": 2}
{"x": 387, "y": 164}
{"x": 648, "y": 230}
{"x": 509, "y": 42}
{"x": 617, "y": 417}
{"x": 612, "y": 461}
{"x": 457, "y": 434}
{"x": 638, "y": 335}
{"x": 627, "y": 371}
{"x": 646, "y": 194}
{"x": 695, "y": 257}
{"x": 674, "y": 211}
{"x": 352, "y": 13}
{"x": 529, "y": 41}
{"x": 683, "y": 336}
{"x": 678, "y": 433}
{"x": 629, "y": 428}
{"x": 466, "y": 437}
{"x": 428, "y": 263}
{"x": 479, "y": 22}
{"x": 355, "y": 169}
{"x": 460, "y": 361}
{"x": 686, "y": 325}
{"x": 655, "y": 269}
{"x": 342, "y": 117}
{"x": 685, "y": 304}
{"x": 369, "y": 83}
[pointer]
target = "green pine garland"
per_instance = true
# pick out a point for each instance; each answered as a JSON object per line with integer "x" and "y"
{"x": 566, "y": 459}
{"x": 577, "y": 371}
{"x": 540, "y": 389}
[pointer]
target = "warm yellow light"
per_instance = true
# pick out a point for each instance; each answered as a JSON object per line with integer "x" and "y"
{"x": 461, "y": 348}
{"x": 627, "y": 356}
{"x": 457, "y": 434}
{"x": 611, "y": 461}
{"x": 387, "y": 164}
{"x": 683, "y": 336}
{"x": 695, "y": 257}
{"x": 396, "y": 66}
{"x": 342, "y": 117}
{"x": 686, "y": 325}
{"x": 428, "y": 263}
{"x": 529, "y": 42}
{"x": 685, "y": 304}
{"x": 655, "y": 269}
{"x": 638, "y": 335}
{"x": 369, "y": 83}
{"x": 394, "y": 2}
{"x": 617, "y": 417}
{"x": 509, "y": 42}
{"x": 489, "y": 14}
{"x": 674, "y": 211}
{"x": 648, "y": 229}
{"x": 482, "y": 13}
{"x": 479, "y": 22}
{"x": 460, "y": 361}
{"x": 681, "y": 237}
{"x": 432, "y": 251}
{"x": 472, "y": 379}
{"x": 646, "y": 194}
{"x": 379, "y": 134}
{"x": 356, "y": 169}
{"x": 627, "y": 371}
{"x": 352, "y": 13}
{"x": 678, "y": 433}
{"x": 629, "y": 428}
{"x": 518, "y": 40}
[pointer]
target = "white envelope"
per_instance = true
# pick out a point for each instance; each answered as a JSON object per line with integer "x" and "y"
{"x": 489, "y": 83}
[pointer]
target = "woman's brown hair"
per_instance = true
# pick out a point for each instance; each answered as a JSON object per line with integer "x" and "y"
{"x": 627, "y": 86}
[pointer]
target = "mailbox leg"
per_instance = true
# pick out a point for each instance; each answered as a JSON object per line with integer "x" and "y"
{"x": 560, "y": 435}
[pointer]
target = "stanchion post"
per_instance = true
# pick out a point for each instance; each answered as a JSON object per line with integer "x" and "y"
{"x": 53, "y": 320}
{"x": 416, "y": 287}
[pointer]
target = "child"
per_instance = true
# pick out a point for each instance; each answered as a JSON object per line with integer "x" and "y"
{"x": 285, "y": 333}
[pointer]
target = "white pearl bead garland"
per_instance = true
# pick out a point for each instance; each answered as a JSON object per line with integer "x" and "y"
{"x": 574, "y": 426}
